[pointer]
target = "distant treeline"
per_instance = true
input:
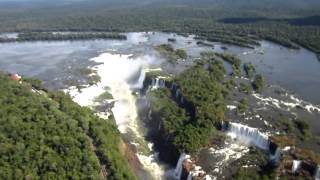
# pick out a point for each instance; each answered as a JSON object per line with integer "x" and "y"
{"x": 206, "y": 23}
{"x": 50, "y": 36}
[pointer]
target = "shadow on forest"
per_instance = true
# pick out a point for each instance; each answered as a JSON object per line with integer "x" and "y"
{"x": 305, "y": 21}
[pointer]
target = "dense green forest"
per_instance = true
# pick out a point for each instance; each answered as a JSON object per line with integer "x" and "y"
{"x": 292, "y": 24}
{"x": 45, "y": 135}
{"x": 171, "y": 54}
{"x": 202, "y": 86}
{"x": 49, "y": 36}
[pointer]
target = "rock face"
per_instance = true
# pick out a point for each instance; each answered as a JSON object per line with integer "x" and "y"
{"x": 128, "y": 151}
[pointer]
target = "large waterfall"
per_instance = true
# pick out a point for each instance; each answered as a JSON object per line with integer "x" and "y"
{"x": 248, "y": 135}
{"x": 121, "y": 75}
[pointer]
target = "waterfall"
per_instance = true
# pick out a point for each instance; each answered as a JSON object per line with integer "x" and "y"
{"x": 248, "y": 135}
{"x": 179, "y": 167}
{"x": 162, "y": 83}
{"x": 173, "y": 86}
{"x": 253, "y": 136}
{"x": 295, "y": 165}
{"x": 122, "y": 75}
{"x": 275, "y": 158}
{"x": 317, "y": 173}
{"x": 177, "y": 93}
{"x": 158, "y": 83}
{"x": 150, "y": 114}
{"x": 181, "y": 100}
{"x": 139, "y": 83}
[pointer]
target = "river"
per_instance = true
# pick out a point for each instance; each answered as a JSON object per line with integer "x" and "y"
{"x": 122, "y": 66}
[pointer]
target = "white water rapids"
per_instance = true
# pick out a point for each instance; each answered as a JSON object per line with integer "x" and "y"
{"x": 121, "y": 74}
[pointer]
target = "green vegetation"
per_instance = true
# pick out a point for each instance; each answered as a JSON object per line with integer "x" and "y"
{"x": 226, "y": 38}
{"x": 304, "y": 129}
{"x": 46, "y": 135}
{"x": 170, "y": 53}
{"x": 243, "y": 105}
{"x": 182, "y": 54}
{"x": 176, "y": 123}
{"x": 253, "y": 174}
{"x": 233, "y": 60}
{"x": 240, "y": 25}
{"x": 49, "y": 36}
{"x": 260, "y": 170}
{"x": 230, "y": 84}
{"x": 245, "y": 88}
{"x": 249, "y": 69}
{"x": 201, "y": 86}
{"x": 258, "y": 83}
{"x": 297, "y": 128}
{"x": 202, "y": 43}
{"x": 90, "y": 74}
{"x": 287, "y": 124}
{"x": 104, "y": 96}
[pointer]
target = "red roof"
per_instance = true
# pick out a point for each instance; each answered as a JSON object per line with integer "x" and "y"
{"x": 15, "y": 77}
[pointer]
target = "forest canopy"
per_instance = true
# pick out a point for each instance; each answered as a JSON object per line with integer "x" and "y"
{"x": 45, "y": 135}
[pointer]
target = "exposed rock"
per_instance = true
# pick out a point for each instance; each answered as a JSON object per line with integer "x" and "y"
{"x": 129, "y": 152}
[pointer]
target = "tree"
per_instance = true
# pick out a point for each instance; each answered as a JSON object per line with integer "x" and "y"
{"x": 258, "y": 83}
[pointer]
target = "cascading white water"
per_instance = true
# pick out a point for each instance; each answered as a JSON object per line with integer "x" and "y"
{"x": 317, "y": 173}
{"x": 121, "y": 74}
{"x": 179, "y": 166}
{"x": 252, "y": 136}
{"x": 295, "y": 165}
{"x": 157, "y": 83}
{"x": 248, "y": 135}
{"x": 276, "y": 156}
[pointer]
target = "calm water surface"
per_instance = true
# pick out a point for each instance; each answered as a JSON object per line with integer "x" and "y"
{"x": 296, "y": 70}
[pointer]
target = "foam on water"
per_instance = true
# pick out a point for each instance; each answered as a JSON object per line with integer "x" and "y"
{"x": 292, "y": 102}
{"x": 231, "y": 151}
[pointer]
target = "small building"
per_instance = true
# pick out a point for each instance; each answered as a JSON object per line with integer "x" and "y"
{"x": 15, "y": 77}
